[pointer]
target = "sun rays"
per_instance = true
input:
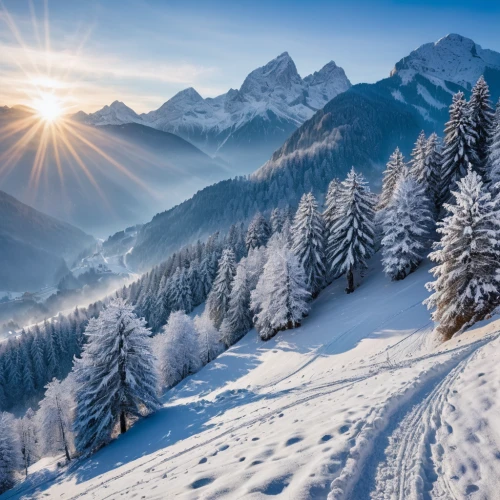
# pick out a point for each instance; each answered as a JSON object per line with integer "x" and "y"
{"x": 44, "y": 128}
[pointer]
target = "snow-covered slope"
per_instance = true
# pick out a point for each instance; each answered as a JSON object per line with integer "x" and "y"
{"x": 272, "y": 102}
{"x": 453, "y": 58}
{"x": 360, "y": 402}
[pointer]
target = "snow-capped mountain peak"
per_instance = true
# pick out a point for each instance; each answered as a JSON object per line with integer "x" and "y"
{"x": 453, "y": 58}
{"x": 117, "y": 113}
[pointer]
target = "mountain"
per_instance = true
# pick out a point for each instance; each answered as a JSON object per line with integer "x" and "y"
{"x": 359, "y": 127}
{"x": 243, "y": 126}
{"x": 100, "y": 178}
{"x": 34, "y": 247}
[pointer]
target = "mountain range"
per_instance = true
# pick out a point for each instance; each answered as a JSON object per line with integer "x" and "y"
{"x": 34, "y": 247}
{"x": 360, "y": 127}
{"x": 243, "y": 127}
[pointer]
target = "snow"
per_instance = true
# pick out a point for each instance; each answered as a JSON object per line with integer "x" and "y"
{"x": 360, "y": 400}
{"x": 453, "y": 58}
{"x": 428, "y": 98}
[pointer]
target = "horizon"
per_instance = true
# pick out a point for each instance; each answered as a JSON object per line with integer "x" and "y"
{"x": 92, "y": 63}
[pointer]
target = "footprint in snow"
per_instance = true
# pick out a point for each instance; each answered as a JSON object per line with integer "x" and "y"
{"x": 344, "y": 429}
{"x": 293, "y": 440}
{"x": 326, "y": 437}
{"x": 199, "y": 483}
{"x": 203, "y": 460}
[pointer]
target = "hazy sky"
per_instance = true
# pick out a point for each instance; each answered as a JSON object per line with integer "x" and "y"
{"x": 144, "y": 51}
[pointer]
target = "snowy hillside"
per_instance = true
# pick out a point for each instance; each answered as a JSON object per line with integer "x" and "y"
{"x": 360, "y": 402}
{"x": 272, "y": 102}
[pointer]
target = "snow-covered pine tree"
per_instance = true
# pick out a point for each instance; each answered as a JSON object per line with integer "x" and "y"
{"x": 280, "y": 300}
{"x": 276, "y": 220}
{"x": 482, "y": 120}
{"x": 395, "y": 167}
{"x": 459, "y": 146}
{"x": 468, "y": 256}
{"x": 28, "y": 439}
{"x": 407, "y": 221}
{"x": 258, "y": 232}
{"x": 238, "y": 319}
{"x": 331, "y": 211}
{"x": 431, "y": 177}
{"x": 352, "y": 238}
{"x": 177, "y": 347}
{"x": 218, "y": 299}
{"x": 419, "y": 158}
{"x": 308, "y": 244}
{"x": 209, "y": 338}
{"x": 10, "y": 459}
{"x": 494, "y": 151}
{"x": 179, "y": 291}
{"x": 115, "y": 378}
{"x": 55, "y": 418}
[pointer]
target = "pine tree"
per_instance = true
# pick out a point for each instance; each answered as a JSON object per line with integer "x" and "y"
{"x": 394, "y": 169}
{"x": 280, "y": 298}
{"x": 431, "y": 178}
{"x": 331, "y": 211}
{"x": 238, "y": 320}
{"x": 276, "y": 220}
{"x": 55, "y": 418}
{"x": 407, "y": 221}
{"x": 467, "y": 275}
{"x": 115, "y": 377}
{"x": 418, "y": 167}
{"x": 177, "y": 347}
{"x": 352, "y": 239}
{"x": 179, "y": 291}
{"x": 10, "y": 459}
{"x": 459, "y": 146}
{"x": 482, "y": 119}
{"x": 218, "y": 299}
{"x": 28, "y": 439}
{"x": 494, "y": 151}
{"x": 308, "y": 242}
{"x": 258, "y": 232}
{"x": 209, "y": 338}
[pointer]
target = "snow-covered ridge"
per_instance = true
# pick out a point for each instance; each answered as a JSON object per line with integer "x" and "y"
{"x": 453, "y": 58}
{"x": 276, "y": 87}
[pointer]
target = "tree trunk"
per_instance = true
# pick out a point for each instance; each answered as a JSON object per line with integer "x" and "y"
{"x": 350, "y": 281}
{"x": 123, "y": 423}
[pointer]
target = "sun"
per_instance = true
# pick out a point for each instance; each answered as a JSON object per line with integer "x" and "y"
{"x": 48, "y": 107}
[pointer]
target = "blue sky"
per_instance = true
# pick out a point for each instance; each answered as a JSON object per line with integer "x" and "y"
{"x": 144, "y": 51}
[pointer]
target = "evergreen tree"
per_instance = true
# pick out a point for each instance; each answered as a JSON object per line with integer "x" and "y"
{"x": 209, "y": 338}
{"x": 218, "y": 299}
{"x": 467, "y": 275}
{"x": 10, "y": 459}
{"x": 418, "y": 163}
{"x": 394, "y": 169}
{"x": 331, "y": 211}
{"x": 258, "y": 232}
{"x": 55, "y": 418}
{"x": 277, "y": 219}
{"x": 459, "y": 146}
{"x": 238, "y": 320}
{"x": 494, "y": 150}
{"x": 407, "y": 221}
{"x": 28, "y": 439}
{"x": 177, "y": 349}
{"x": 115, "y": 377}
{"x": 179, "y": 291}
{"x": 308, "y": 242}
{"x": 352, "y": 239}
{"x": 431, "y": 177}
{"x": 482, "y": 120}
{"x": 280, "y": 298}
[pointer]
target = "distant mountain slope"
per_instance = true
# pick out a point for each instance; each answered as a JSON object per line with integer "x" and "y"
{"x": 359, "y": 127}
{"x": 33, "y": 246}
{"x": 243, "y": 126}
{"x": 109, "y": 177}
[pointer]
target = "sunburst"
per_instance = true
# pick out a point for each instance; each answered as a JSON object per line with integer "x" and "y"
{"x": 46, "y": 118}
